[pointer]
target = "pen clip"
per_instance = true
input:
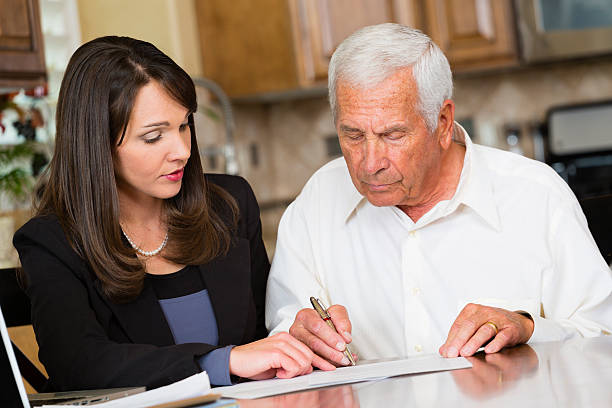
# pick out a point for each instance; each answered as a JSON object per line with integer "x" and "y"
{"x": 322, "y": 304}
{"x": 316, "y": 303}
{"x": 326, "y": 315}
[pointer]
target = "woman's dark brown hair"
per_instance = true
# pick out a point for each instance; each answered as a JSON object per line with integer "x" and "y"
{"x": 94, "y": 106}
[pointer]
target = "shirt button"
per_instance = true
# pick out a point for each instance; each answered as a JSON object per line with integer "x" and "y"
{"x": 412, "y": 234}
{"x": 418, "y": 348}
{"x": 416, "y": 291}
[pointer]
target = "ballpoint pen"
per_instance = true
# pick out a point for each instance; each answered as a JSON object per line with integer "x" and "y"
{"x": 322, "y": 311}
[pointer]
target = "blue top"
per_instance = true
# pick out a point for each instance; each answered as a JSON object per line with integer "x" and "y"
{"x": 182, "y": 296}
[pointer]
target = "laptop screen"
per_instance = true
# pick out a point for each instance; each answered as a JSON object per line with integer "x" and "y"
{"x": 13, "y": 394}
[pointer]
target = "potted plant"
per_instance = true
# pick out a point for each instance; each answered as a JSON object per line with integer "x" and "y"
{"x": 16, "y": 182}
{"x": 21, "y": 160}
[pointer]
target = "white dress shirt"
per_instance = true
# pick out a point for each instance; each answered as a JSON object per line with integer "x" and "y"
{"x": 513, "y": 236}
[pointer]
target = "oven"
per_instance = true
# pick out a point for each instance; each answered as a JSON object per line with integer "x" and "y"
{"x": 579, "y": 148}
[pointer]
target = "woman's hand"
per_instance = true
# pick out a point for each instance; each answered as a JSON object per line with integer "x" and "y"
{"x": 280, "y": 355}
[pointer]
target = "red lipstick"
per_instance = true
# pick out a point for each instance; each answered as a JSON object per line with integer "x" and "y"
{"x": 175, "y": 175}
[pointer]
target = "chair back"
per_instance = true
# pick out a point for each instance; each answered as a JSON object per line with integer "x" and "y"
{"x": 15, "y": 306}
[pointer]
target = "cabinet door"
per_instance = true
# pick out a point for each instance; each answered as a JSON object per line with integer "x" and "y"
{"x": 473, "y": 34}
{"x": 21, "y": 51}
{"x": 247, "y": 46}
{"x": 321, "y": 25}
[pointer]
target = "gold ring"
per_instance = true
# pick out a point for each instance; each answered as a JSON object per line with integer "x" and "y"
{"x": 493, "y": 326}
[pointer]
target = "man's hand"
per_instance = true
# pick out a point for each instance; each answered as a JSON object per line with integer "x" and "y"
{"x": 471, "y": 330}
{"x": 279, "y": 355}
{"x": 491, "y": 374}
{"x": 311, "y": 330}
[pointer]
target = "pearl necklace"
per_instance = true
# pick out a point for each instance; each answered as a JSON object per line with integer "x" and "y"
{"x": 146, "y": 253}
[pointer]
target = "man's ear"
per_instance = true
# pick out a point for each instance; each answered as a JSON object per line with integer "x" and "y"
{"x": 446, "y": 120}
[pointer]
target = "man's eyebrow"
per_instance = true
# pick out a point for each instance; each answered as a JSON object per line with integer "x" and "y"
{"x": 346, "y": 128}
{"x": 393, "y": 129}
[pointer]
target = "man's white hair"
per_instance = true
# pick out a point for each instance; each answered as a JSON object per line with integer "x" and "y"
{"x": 373, "y": 53}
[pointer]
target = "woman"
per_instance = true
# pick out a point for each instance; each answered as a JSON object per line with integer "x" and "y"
{"x": 140, "y": 269}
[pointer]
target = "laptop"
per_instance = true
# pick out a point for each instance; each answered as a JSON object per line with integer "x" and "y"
{"x": 13, "y": 390}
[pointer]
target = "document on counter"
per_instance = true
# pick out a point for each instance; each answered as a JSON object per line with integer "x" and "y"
{"x": 363, "y": 371}
{"x": 196, "y": 386}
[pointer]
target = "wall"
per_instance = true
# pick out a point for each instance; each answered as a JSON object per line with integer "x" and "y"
{"x": 524, "y": 96}
{"x": 168, "y": 24}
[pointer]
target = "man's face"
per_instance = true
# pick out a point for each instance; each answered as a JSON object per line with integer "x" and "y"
{"x": 392, "y": 158}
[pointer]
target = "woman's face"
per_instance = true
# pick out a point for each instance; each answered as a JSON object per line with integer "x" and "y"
{"x": 150, "y": 160}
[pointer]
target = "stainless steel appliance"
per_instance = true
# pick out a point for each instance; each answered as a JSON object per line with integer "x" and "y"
{"x": 580, "y": 150}
{"x": 555, "y": 29}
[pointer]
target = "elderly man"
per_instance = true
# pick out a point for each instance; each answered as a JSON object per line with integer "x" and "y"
{"x": 430, "y": 243}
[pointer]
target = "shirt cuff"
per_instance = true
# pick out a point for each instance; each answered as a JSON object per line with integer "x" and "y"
{"x": 547, "y": 330}
{"x": 216, "y": 365}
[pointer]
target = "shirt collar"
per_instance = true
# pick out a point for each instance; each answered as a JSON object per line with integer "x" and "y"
{"x": 353, "y": 200}
{"x": 475, "y": 188}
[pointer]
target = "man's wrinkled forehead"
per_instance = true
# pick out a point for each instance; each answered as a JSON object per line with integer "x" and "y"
{"x": 372, "y": 80}
{"x": 394, "y": 90}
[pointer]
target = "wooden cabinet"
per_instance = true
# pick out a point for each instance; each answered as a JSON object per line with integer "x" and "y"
{"x": 268, "y": 46}
{"x": 247, "y": 46}
{"x": 474, "y": 34}
{"x": 321, "y": 25}
{"x": 22, "y": 61}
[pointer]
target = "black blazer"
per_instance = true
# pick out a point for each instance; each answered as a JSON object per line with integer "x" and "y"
{"x": 87, "y": 341}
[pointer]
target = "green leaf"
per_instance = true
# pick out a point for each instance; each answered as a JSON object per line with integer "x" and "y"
{"x": 20, "y": 151}
{"x": 16, "y": 183}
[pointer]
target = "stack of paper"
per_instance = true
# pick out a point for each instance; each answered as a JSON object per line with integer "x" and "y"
{"x": 194, "y": 386}
{"x": 364, "y": 371}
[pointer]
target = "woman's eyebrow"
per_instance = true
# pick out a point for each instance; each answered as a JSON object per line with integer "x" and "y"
{"x": 157, "y": 124}
{"x": 164, "y": 123}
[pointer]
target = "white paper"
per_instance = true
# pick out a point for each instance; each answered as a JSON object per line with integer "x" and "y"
{"x": 364, "y": 371}
{"x": 194, "y": 386}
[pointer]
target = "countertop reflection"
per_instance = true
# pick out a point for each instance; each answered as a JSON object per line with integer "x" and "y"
{"x": 574, "y": 373}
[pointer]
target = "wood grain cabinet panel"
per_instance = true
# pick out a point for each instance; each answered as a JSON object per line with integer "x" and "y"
{"x": 22, "y": 61}
{"x": 247, "y": 46}
{"x": 474, "y": 34}
{"x": 266, "y": 46}
{"x": 321, "y": 25}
